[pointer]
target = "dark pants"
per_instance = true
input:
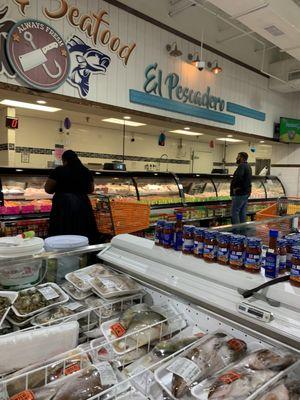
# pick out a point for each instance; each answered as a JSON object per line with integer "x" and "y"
{"x": 239, "y": 209}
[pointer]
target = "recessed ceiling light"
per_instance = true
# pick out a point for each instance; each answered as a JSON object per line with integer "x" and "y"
{"x": 226, "y": 139}
{"x": 122, "y": 122}
{"x": 229, "y": 135}
{"x": 261, "y": 141}
{"x": 30, "y": 106}
{"x": 127, "y": 117}
{"x": 41, "y": 101}
{"x": 186, "y": 128}
{"x": 183, "y": 132}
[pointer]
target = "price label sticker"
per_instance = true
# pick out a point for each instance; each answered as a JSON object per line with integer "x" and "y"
{"x": 229, "y": 377}
{"x": 107, "y": 374}
{"x": 186, "y": 369}
{"x": 108, "y": 283}
{"x": 48, "y": 292}
{"x": 25, "y": 395}
{"x": 118, "y": 330}
{"x": 71, "y": 369}
{"x": 73, "y": 306}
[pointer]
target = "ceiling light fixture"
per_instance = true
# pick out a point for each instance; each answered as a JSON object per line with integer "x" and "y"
{"x": 261, "y": 141}
{"x": 30, "y": 106}
{"x": 216, "y": 69}
{"x": 229, "y": 135}
{"x": 186, "y": 128}
{"x": 122, "y": 121}
{"x": 173, "y": 50}
{"x": 41, "y": 101}
{"x": 127, "y": 117}
{"x": 231, "y": 140}
{"x": 185, "y": 132}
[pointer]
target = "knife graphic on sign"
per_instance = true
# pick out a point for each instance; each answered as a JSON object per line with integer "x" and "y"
{"x": 36, "y": 57}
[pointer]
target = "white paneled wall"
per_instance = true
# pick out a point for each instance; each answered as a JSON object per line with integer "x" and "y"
{"x": 235, "y": 83}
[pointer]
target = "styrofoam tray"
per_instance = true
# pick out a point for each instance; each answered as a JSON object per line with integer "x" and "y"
{"x": 79, "y": 295}
{"x": 22, "y": 324}
{"x": 12, "y": 296}
{"x": 84, "y": 276}
{"x": 175, "y": 323}
{"x": 63, "y": 299}
{"x": 115, "y": 291}
{"x": 76, "y": 314}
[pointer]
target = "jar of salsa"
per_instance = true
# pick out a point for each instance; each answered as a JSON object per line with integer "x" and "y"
{"x": 282, "y": 252}
{"x": 236, "y": 251}
{"x": 188, "y": 239}
{"x": 159, "y": 230}
{"x": 199, "y": 242}
{"x": 168, "y": 235}
{"x": 295, "y": 268}
{"x": 223, "y": 247}
{"x": 210, "y": 246}
{"x": 253, "y": 254}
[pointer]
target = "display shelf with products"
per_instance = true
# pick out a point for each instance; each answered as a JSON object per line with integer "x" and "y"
{"x": 136, "y": 346}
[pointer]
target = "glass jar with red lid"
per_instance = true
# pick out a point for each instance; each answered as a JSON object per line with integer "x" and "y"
{"x": 236, "y": 251}
{"x": 253, "y": 254}
{"x": 210, "y": 246}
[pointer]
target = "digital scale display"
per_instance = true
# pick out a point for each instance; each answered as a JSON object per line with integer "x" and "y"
{"x": 255, "y": 312}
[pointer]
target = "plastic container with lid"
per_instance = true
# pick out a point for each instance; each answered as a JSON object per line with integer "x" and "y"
{"x": 21, "y": 274}
{"x": 253, "y": 254}
{"x": 57, "y": 269}
{"x": 210, "y": 246}
{"x": 188, "y": 239}
{"x": 236, "y": 253}
{"x": 295, "y": 268}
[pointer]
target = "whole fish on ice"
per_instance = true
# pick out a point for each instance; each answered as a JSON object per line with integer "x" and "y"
{"x": 268, "y": 359}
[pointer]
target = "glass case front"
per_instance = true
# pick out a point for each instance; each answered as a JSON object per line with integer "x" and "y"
{"x": 273, "y": 187}
{"x": 258, "y": 189}
{"x": 114, "y": 185}
{"x": 157, "y": 189}
{"x": 197, "y": 188}
{"x": 223, "y": 187}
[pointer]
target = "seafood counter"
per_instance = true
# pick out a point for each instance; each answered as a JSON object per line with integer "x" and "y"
{"x": 102, "y": 334}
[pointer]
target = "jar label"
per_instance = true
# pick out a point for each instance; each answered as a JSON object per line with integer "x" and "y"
{"x": 282, "y": 262}
{"x": 188, "y": 245}
{"x": 272, "y": 265}
{"x": 236, "y": 255}
{"x": 168, "y": 238}
{"x": 295, "y": 270}
{"x": 178, "y": 240}
{"x": 198, "y": 248}
{"x": 209, "y": 251}
{"x": 253, "y": 259}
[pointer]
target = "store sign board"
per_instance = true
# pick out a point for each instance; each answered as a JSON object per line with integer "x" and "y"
{"x": 42, "y": 58}
{"x": 167, "y": 93}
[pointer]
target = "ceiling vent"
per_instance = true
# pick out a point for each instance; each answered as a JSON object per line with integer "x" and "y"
{"x": 293, "y": 75}
{"x": 274, "y": 31}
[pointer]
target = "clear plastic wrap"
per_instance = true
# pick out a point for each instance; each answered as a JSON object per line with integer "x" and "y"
{"x": 115, "y": 286}
{"x": 82, "y": 277}
{"x": 58, "y": 313}
{"x": 75, "y": 293}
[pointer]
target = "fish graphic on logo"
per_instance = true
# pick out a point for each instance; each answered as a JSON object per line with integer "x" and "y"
{"x": 89, "y": 62}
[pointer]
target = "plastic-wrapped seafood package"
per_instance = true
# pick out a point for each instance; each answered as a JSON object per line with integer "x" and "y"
{"x": 6, "y": 301}
{"x": 245, "y": 377}
{"x": 140, "y": 325}
{"x": 75, "y": 293}
{"x": 58, "y": 313}
{"x": 24, "y": 348}
{"x": 102, "y": 308}
{"x": 55, "y": 368}
{"x": 82, "y": 385}
{"x": 114, "y": 286}
{"x": 35, "y": 300}
{"x": 211, "y": 354}
{"x": 82, "y": 277}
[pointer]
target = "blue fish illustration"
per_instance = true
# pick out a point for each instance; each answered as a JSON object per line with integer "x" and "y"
{"x": 89, "y": 61}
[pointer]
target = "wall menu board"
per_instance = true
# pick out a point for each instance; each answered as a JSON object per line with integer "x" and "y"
{"x": 289, "y": 130}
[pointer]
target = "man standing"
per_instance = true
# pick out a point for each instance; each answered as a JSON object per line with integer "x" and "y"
{"x": 240, "y": 189}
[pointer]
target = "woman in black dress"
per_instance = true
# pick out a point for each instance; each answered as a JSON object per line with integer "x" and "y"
{"x": 72, "y": 212}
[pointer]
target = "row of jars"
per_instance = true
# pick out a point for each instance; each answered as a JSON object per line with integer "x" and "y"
{"x": 237, "y": 251}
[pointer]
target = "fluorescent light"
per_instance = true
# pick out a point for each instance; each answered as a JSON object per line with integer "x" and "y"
{"x": 229, "y": 135}
{"x": 186, "y": 128}
{"x": 122, "y": 122}
{"x": 261, "y": 141}
{"x": 126, "y": 117}
{"x": 31, "y": 106}
{"x": 226, "y": 139}
{"x": 41, "y": 101}
{"x": 183, "y": 132}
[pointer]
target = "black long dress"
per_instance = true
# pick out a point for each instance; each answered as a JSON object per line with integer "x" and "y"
{"x": 72, "y": 212}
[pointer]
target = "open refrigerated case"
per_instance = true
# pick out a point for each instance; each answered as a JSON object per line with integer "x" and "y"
{"x": 167, "y": 326}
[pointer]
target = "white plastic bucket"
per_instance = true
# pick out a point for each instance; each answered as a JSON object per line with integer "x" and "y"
{"x": 66, "y": 264}
{"x": 21, "y": 274}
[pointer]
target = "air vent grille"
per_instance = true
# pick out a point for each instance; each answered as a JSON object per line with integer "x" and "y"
{"x": 293, "y": 75}
{"x": 273, "y": 30}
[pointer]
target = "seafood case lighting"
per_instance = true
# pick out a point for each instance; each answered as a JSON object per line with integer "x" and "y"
{"x": 134, "y": 338}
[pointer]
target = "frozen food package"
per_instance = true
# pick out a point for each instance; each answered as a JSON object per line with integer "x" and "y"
{"x": 232, "y": 384}
{"x": 55, "y": 368}
{"x": 24, "y": 348}
{"x": 75, "y": 293}
{"x": 211, "y": 354}
{"x": 114, "y": 286}
{"x": 58, "y": 314}
{"x": 82, "y": 385}
{"x": 37, "y": 299}
{"x": 140, "y": 325}
{"x": 82, "y": 277}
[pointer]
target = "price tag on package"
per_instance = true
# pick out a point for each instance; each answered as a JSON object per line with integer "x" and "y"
{"x": 73, "y": 306}
{"x": 186, "y": 369}
{"x": 48, "y": 292}
{"x": 84, "y": 276}
{"x": 107, "y": 374}
{"x": 25, "y": 395}
{"x": 108, "y": 283}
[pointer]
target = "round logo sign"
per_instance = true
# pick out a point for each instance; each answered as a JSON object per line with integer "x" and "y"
{"x": 38, "y": 54}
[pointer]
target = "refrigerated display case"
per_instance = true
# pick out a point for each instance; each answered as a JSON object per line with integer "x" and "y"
{"x": 189, "y": 321}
